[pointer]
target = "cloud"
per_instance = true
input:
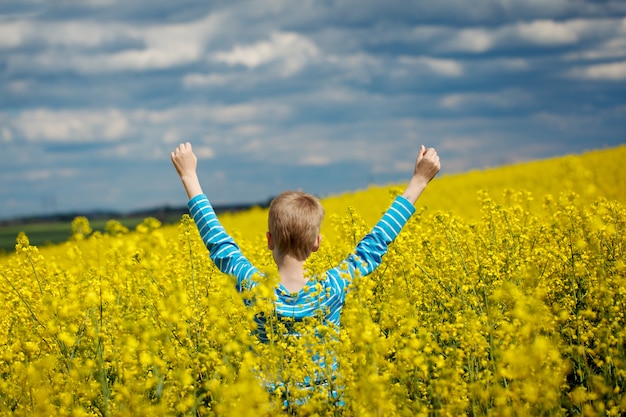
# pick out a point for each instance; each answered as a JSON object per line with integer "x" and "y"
{"x": 547, "y": 32}
{"x": 612, "y": 49}
{"x": 612, "y": 71}
{"x": 249, "y": 129}
{"x": 236, "y": 114}
{"x": 501, "y": 99}
{"x": 475, "y": 40}
{"x": 12, "y": 34}
{"x": 358, "y": 67}
{"x": 315, "y": 160}
{"x": 172, "y": 137}
{"x": 44, "y": 174}
{"x": 611, "y": 43}
{"x": 94, "y": 47}
{"x": 302, "y": 92}
{"x": 220, "y": 114}
{"x": 33, "y": 175}
{"x": 72, "y": 125}
{"x": 68, "y": 34}
{"x": 7, "y": 134}
{"x": 205, "y": 152}
{"x": 19, "y": 87}
{"x": 162, "y": 56}
{"x": 445, "y": 67}
{"x": 194, "y": 80}
{"x": 289, "y": 51}
{"x": 462, "y": 144}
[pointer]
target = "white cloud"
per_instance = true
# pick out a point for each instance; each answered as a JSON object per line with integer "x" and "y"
{"x": 72, "y": 125}
{"x": 208, "y": 80}
{"x": 614, "y": 48}
{"x": 99, "y": 3}
{"x": 539, "y": 32}
{"x": 121, "y": 150}
{"x": 67, "y": 34}
{"x": 404, "y": 167}
{"x": 44, "y": 174}
{"x": 501, "y": 99}
{"x": 171, "y": 137}
{"x": 19, "y": 86}
{"x": 511, "y": 64}
{"x": 376, "y": 144}
{"x": 13, "y": 34}
{"x": 239, "y": 113}
{"x": 37, "y": 175}
{"x": 235, "y": 114}
{"x": 360, "y": 66}
{"x": 290, "y": 51}
{"x": 548, "y": 32}
{"x": 367, "y": 71}
{"x": 613, "y": 71}
{"x": 315, "y": 160}
{"x": 451, "y": 101}
{"x": 249, "y": 129}
{"x": 86, "y": 33}
{"x": 461, "y": 144}
{"x": 476, "y": 40}
{"x": 77, "y": 45}
{"x": 137, "y": 150}
{"x": 204, "y": 151}
{"x": 7, "y": 135}
{"x": 487, "y": 66}
{"x": 161, "y": 56}
{"x": 170, "y": 44}
{"x": 445, "y": 67}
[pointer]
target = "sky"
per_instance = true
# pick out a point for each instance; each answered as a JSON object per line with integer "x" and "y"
{"x": 326, "y": 96}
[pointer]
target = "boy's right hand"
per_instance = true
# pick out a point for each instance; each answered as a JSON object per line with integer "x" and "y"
{"x": 427, "y": 164}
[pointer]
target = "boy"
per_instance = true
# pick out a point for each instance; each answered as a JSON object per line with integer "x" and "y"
{"x": 294, "y": 223}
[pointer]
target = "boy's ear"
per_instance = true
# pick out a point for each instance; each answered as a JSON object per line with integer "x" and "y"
{"x": 318, "y": 242}
{"x": 270, "y": 241}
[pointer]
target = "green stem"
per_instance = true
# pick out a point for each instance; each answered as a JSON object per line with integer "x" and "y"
{"x": 193, "y": 285}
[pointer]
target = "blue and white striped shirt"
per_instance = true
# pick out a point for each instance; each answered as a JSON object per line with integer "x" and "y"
{"x": 324, "y": 294}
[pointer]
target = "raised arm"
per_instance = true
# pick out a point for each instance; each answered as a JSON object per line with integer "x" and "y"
{"x": 369, "y": 252}
{"x": 373, "y": 246}
{"x": 186, "y": 165}
{"x": 427, "y": 165}
{"x": 223, "y": 250}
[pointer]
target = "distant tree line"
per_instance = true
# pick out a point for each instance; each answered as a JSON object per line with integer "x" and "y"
{"x": 165, "y": 214}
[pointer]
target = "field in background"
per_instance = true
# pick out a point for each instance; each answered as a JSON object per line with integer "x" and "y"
{"x": 49, "y": 233}
{"x": 591, "y": 175}
{"x": 587, "y": 174}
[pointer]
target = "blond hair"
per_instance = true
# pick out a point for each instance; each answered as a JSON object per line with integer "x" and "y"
{"x": 294, "y": 221}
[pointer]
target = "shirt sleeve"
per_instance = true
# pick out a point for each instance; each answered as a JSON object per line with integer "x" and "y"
{"x": 369, "y": 252}
{"x": 223, "y": 250}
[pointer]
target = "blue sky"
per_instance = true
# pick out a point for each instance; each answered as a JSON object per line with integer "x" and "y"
{"x": 325, "y": 96}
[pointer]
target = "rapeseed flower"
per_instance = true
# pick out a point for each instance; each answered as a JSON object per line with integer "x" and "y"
{"x": 503, "y": 303}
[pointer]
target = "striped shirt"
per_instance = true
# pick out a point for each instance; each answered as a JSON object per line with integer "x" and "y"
{"x": 322, "y": 295}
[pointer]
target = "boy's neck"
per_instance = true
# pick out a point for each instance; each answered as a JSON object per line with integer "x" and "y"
{"x": 291, "y": 272}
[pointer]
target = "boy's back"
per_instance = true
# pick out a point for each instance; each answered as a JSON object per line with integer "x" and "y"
{"x": 323, "y": 295}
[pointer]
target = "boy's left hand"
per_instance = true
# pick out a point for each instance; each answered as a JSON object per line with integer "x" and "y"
{"x": 184, "y": 160}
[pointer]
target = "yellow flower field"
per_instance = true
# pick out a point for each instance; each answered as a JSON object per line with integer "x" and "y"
{"x": 505, "y": 295}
